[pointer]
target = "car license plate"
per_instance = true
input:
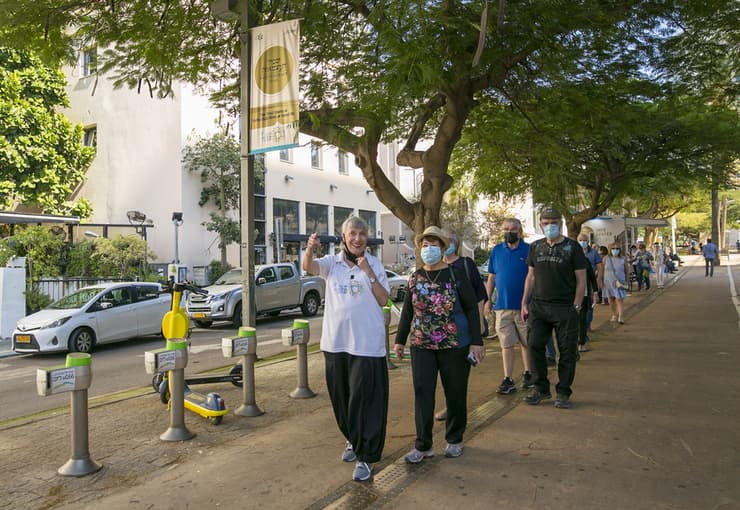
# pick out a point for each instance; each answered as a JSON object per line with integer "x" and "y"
{"x": 199, "y": 315}
{"x": 23, "y": 339}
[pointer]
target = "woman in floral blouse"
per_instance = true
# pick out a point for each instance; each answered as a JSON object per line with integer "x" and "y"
{"x": 438, "y": 310}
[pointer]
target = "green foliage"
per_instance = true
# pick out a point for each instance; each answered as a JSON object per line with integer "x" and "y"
{"x": 216, "y": 270}
{"x": 41, "y": 154}
{"x": 81, "y": 261}
{"x": 121, "y": 256}
{"x": 43, "y": 251}
{"x": 217, "y": 161}
{"x": 35, "y": 299}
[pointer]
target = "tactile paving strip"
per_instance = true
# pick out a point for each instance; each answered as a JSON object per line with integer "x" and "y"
{"x": 390, "y": 481}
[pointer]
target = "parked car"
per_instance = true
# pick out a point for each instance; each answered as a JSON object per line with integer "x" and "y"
{"x": 277, "y": 287}
{"x": 397, "y": 284}
{"x": 93, "y": 315}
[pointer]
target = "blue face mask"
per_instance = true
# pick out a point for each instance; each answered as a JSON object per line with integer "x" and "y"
{"x": 583, "y": 244}
{"x": 552, "y": 231}
{"x": 431, "y": 254}
{"x": 450, "y": 250}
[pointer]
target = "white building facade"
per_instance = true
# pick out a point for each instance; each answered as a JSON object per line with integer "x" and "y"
{"x": 139, "y": 141}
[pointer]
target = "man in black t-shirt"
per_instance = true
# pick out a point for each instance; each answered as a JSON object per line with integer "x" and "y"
{"x": 556, "y": 283}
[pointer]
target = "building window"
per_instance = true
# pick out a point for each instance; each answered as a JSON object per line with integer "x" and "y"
{"x": 392, "y": 164}
{"x": 286, "y": 155}
{"x": 341, "y": 214}
{"x": 89, "y": 61}
{"x": 317, "y": 219}
{"x": 287, "y": 211}
{"x": 315, "y": 155}
{"x": 90, "y": 137}
{"x": 259, "y": 174}
{"x": 369, "y": 217}
{"x": 342, "y": 162}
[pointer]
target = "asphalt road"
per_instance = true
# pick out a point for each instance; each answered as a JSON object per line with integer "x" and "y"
{"x": 120, "y": 366}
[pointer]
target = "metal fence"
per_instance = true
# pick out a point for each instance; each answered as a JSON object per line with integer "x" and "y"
{"x": 57, "y": 288}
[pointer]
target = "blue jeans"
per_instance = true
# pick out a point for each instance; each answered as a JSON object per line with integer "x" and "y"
{"x": 641, "y": 279}
{"x": 709, "y": 267}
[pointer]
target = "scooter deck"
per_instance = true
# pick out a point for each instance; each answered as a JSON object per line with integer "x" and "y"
{"x": 197, "y": 403}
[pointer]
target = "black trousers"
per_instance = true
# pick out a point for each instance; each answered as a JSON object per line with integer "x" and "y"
{"x": 543, "y": 318}
{"x": 709, "y": 267}
{"x": 583, "y": 320}
{"x": 358, "y": 389}
{"x": 454, "y": 369}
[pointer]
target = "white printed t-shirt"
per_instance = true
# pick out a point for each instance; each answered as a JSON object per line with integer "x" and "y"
{"x": 353, "y": 319}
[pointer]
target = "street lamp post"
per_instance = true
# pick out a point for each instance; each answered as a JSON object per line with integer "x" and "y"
{"x": 138, "y": 218}
{"x": 177, "y": 221}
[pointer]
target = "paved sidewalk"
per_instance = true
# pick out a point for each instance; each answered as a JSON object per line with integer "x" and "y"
{"x": 656, "y": 407}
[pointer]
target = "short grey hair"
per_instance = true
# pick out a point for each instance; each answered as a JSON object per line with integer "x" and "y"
{"x": 354, "y": 222}
{"x": 513, "y": 221}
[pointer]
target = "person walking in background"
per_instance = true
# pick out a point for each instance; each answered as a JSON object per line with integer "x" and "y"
{"x": 452, "y": 258}
{"x": 709, "y": 251}
{"x": 643, "y": 267}
{"x": 440, "y": 310}
{"x": 603, "y": 252}
{"x": 616, "y": 268}
{"x": 507, "y": 271}
{"x": 586, "y": 314}
{"x": 353, "y": 343}
{"x": 556, "y": 283}
{"x": 660, "y": 264}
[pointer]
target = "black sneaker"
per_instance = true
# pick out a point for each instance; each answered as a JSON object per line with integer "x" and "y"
{"x": 537, "y": 397}
{"x": 563, "y": 402}
{"x": 507, "y": 386}
{"x": 527, "y": 381}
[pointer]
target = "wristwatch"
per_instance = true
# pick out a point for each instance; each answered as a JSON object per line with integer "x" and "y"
{"x": 372, "y": 279}
{"x": 577, "y": 307}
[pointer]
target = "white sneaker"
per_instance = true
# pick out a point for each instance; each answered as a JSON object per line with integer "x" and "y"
{"x": 348, "y": 455}
{"x": 363, "y": 471}
{"x": 416, "y": 456}
{"x": 613, "y": 319}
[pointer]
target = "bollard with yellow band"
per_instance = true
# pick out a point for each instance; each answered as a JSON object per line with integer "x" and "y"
{"x": 244, "y": 345}
{"x": 299, "y": 335}
{"x": 74, "y": 376}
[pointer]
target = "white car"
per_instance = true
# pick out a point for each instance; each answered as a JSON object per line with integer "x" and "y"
{"x": 93, "y": 315}
{"x": 397, "y": 284}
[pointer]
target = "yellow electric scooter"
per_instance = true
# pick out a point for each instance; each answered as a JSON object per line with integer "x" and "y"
{"x": 176, "y": 324}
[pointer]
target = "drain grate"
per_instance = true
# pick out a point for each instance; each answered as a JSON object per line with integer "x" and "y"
{"x": 391, "y": 480}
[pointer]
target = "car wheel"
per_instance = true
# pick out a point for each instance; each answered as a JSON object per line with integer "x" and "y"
{"x": 310, "y": 304}
{"x": 236, "y": 319}
{"x": 82, "y": 340}
{"x": 203, "y": 324}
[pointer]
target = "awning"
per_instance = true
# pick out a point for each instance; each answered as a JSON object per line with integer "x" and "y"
{"x": 645, "y": 222}
{"x": 18, "y": 218}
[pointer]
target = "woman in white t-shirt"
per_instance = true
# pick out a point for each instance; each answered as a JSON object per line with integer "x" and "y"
{"x": 353, "y": 343}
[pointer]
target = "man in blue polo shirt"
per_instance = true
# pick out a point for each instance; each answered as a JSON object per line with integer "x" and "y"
{"x": 507, "y": 270}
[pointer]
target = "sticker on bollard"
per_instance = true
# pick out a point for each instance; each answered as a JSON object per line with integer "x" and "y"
{"x": 245, "y": 343}
{"x": 299, "y": 334}
{"x": 75, "y": 375}
{"x": 163, "y": 360}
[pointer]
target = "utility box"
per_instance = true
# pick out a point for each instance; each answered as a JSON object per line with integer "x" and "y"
{"x": 12, "y": 299}
{"x": 177, "y": 272}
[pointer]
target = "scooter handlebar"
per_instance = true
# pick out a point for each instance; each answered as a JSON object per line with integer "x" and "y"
{"x": 169, "y": 286}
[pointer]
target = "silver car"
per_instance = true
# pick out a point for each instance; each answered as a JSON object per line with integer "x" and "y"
{"x": 93, "y": 315}
{"x": 397, "y": 284}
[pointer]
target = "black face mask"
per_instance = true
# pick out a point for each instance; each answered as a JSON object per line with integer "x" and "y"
{"x": 348, "y": 254}
{"x": 511, "y": 237}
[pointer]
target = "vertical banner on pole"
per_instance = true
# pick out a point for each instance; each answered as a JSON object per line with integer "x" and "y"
{"x": 273, "y": 112}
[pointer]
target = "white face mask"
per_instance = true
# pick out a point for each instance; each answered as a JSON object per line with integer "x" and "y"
{"x": 615, "y": 252}
{"x": 551, "y": 231}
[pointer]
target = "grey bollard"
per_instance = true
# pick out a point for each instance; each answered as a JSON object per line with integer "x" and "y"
{"x": 173, "y": 359}
{"x": 244, "y": 345}
{"x": 387, "y": 317}
{"x": 74, "y": 376}
{"x": 299, "y": 335}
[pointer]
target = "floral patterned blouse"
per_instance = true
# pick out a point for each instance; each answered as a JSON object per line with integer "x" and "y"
{"x": 433, "y": 298}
